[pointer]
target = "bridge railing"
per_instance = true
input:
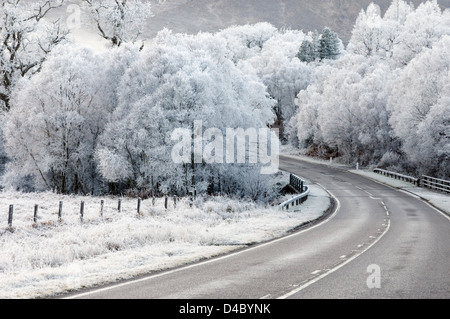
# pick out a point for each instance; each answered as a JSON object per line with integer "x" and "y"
{"x": 435, "y": 183}
{"x": 298, "y": 184}
{"x": 425, "y": 181}
{"x": 398, "y": 176}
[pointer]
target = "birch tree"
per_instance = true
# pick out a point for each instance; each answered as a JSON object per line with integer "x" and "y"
{"x": 55, "y": 120}
{"x": 119, "y": 21}
{"x": 26, "y": 38}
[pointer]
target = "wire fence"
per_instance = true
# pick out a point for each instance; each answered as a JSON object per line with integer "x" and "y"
{"x": 67, "y": 212}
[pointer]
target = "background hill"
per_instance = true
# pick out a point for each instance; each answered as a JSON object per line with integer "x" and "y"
{"x": 192, "y": 16}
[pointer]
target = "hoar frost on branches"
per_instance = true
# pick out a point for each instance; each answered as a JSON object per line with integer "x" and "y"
{"x": 26, "y": 38}
{"x": 319, "y": 47}
{"x": 91, "y": 123}
{"x": 119, "y": 21}
{"x": 385, "y": 101}
{"x": 344, "y": 112}
{"x": 179, "y": 80}
{"x": 271, "y": 55}
{"x": 54, "y": 123}
{"x": 419, "y": 102}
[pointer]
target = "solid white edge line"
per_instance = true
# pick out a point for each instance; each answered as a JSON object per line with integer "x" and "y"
{"x": 165, "y": 273}
{"x": 309, "y": 283}
{"x": 438, "y": 210}
{"x": 407, "y": 193}
{"x": 379, "y": 238}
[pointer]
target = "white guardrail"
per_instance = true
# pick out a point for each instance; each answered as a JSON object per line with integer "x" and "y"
{"x": 297, "y": 184}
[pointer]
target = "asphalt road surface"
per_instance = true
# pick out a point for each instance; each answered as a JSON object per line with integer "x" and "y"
{"x": 377, "y": 242}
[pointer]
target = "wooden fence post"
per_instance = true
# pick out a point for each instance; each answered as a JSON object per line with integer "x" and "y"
{"x": 60, "y": 211}
{"x": 82, "y": 211}
{"x": 36, "y": 207}
{"x": 102, "y": 203}
{"x": 10, "y": 215}
{"x": 166, "y": 201}
{"x": 139, "y": 206}
{"x": 119, "y": 206}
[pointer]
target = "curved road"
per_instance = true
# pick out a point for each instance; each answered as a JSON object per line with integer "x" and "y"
{"x": 378, "y": 242}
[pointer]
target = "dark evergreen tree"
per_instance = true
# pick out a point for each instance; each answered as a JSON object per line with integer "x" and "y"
{"x": 306, "y": 53}
{"x": 325, "y": 46}
{"x": 310, "y": 49}
{"x": 329, "y": 45}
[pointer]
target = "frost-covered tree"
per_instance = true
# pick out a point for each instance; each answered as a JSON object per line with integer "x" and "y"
{"x": 246, "y": 41}
{"x": 422, "y": 28}
{"x": 398, "y": 11}
{"x": 282, "y": 72}
{"x": 401, "y": 33}
{"x": 419, "y": 102}
{"x": 368, "y": 33}
{"x": 393, "y": 24}
{"x": 310, "y": 48}
{"x": 119, "y": 21}
{"x": 330, "y": 46}
{"x": 305, "y": 131}
{"x": 179, "y": 80}
{"x": 324, "y": 46}
{"x": 343, "y": 112}
{"x": 307, "y": 52}
{"x": 26, "y": 38}
{"x": 384, "y": 101}
{"x": 54, "y": 123}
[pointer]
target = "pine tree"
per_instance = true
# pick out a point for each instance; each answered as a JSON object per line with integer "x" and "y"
{"x": 321, "y": 46}
{"x": 329, "y": 45}
{"x": 306, "y": 53}
{"x": 310, "y": 49}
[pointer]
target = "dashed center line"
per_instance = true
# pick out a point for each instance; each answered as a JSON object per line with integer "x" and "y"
{"x": 338, "y": 266}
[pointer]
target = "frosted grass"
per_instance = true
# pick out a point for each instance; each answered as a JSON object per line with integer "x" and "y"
{"x": 51, "y": 257}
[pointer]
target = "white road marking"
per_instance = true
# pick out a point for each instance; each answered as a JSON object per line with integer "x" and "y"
{"x": 309, "y": 283}
{"x": 165, "y": 273}
{"x": 408, "y": 193}
{"x": 439, "y": 211}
